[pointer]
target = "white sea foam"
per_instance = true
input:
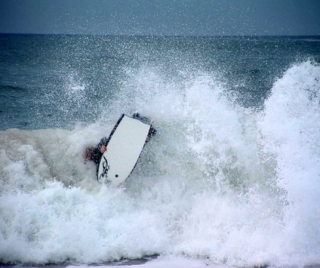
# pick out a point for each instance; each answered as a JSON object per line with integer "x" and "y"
{"x": 218, "y": 182}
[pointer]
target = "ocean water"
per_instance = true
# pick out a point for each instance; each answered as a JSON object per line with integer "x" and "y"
{"x": 232, "y": 177}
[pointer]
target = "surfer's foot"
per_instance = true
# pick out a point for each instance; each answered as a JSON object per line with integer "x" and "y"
{"x": 152, "y": 132}
{"x": 143, "y": 119}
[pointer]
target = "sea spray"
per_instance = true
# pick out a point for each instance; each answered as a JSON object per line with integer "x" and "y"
{"x": 214, "y": 183}
{"x": 291, "y": 132}
{"x": 232, "y": 175}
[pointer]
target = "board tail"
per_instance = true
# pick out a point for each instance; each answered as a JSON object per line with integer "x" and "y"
{"x": 146, "y": 120}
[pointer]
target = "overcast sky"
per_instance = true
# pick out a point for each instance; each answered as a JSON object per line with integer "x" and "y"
{"x": 161, "y": 17}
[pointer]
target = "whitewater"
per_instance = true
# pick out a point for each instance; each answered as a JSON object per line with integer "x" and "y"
{"x": 221, "y": 184}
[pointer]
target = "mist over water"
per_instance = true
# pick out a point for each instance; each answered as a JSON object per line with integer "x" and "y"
{"x": 232, "y": 175}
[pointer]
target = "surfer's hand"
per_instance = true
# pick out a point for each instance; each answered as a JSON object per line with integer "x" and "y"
{"x": 103, "y": 149}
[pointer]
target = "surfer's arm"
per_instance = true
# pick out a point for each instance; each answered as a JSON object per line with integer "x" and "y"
{"x": 102, "y": 145}
{"x": 103, "y": 148}
{"x": 104, "y": 141}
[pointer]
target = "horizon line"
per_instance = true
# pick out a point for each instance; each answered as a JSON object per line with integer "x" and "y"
{"x": 165, "y": 35}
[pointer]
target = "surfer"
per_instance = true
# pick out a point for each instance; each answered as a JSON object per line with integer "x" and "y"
{"x": 94, "y": 154}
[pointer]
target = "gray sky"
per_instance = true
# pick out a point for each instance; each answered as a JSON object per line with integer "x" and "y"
{"x": 161, "y": 17}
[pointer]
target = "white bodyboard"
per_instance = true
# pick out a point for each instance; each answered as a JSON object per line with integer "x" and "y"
{"x": 125, "y": 144}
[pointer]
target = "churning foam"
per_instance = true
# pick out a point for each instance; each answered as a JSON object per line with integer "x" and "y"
{"x": 219, "y": 181}
{"x": 291, "y": 132}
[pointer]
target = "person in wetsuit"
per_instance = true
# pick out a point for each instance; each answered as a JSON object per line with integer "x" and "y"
{"x": 94, "y": 154}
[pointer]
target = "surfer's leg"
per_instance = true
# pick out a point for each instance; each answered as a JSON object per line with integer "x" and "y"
{"x": 143, "y": 119}
{"x": 152, "y": 132}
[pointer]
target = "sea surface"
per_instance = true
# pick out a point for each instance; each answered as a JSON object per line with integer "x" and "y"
{"x": 232, "y": 177}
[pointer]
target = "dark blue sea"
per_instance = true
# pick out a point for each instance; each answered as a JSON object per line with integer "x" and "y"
{"x": 232, "y": 177}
